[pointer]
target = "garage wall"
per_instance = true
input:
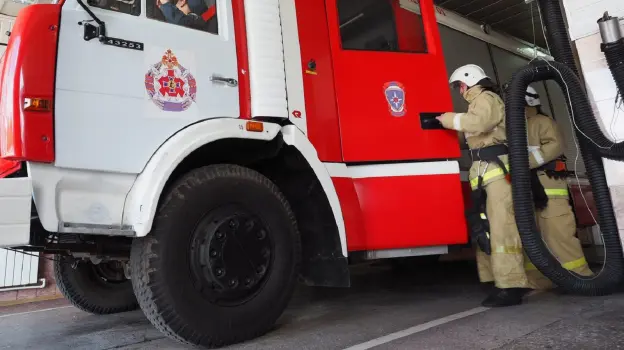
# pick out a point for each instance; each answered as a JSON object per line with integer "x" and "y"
{"x": 6, "y": 23}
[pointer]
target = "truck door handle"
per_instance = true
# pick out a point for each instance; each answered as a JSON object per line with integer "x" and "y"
{"x": 428, "y": 121}
{"x": 221, "y": 80}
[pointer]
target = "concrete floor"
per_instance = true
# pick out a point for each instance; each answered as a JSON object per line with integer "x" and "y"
{"x": 383, "y": 310}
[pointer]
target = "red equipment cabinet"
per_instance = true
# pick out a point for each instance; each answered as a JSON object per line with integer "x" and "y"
{"x": 402, "y": 212}
{"x": 351, "y": 80}
{"x": 369, "y": 131}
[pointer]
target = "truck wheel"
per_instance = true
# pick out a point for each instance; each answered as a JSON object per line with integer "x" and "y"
{"x": 222, "y": 260}
{"x": 99, "y": 289}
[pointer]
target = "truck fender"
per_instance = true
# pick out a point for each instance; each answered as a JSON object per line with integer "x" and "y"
{"x": 142, "y": 200}
{"x": 295, "y": 138}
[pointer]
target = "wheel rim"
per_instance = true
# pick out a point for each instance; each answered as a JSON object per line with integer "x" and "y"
{"x": 231, "y": 253}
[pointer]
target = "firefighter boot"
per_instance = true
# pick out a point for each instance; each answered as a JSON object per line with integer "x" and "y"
{"x": 505, "y": 297}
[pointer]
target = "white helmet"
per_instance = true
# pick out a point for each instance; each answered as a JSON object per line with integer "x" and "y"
{"x": 532, "y": 97}
{"x": 469, "y": 74}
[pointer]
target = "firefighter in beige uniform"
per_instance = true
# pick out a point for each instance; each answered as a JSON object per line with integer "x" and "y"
{"x": 501, "y": 259}
{"x": 556, "y": 221}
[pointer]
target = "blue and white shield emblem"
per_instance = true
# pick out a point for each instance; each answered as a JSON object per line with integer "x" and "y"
{"x": 395, "y": 95}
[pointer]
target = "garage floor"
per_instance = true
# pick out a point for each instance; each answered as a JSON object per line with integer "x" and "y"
{"x": 434, "y": 308}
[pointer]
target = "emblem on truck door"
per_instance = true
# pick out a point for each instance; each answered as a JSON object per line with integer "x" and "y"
{"x": 169, "y": 85}
{"x": 395, "y": 95}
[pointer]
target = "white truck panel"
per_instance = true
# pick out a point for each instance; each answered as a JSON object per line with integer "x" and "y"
{"x": 267, "y": 73}
{"x": 67, "y": 200}
{"x": 104, "y": 117}
{"x": 15, "y": 202}
{"x": 293, "y": 63}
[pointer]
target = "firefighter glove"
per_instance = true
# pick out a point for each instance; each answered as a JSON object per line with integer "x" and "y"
{"x": 479, "y": 227}
{"x": 540, "y": 199}
{"x": 447, "y": 120}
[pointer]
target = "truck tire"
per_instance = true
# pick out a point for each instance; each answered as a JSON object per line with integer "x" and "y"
{"x": 98, "y": 289}
{"x": 221, "y": 262}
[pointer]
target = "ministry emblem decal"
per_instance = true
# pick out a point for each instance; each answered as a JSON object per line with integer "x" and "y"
{"x": 169, "y": 85}
{"x": 395, "y": 95}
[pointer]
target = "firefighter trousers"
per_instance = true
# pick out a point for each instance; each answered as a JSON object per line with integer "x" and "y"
{"x": 506, "y": 266}
{"x": 558, "y": 227}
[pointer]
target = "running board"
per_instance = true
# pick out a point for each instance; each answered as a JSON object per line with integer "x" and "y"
{"x": 405, "y": 252}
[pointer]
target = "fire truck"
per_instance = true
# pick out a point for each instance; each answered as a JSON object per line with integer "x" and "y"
{"x": 198, "y": 158}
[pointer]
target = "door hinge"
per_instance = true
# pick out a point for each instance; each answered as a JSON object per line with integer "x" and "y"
{"x": 90, "y": 31}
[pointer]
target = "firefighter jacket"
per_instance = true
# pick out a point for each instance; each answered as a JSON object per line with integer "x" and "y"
{"x": 545, "y": 146}
{"x": 483, "y": 125}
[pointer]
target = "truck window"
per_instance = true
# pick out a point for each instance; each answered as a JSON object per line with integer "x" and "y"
{"x": 371, "y": 25}
{"x": 130, "y": 7}
{"x": 195, "y": 14}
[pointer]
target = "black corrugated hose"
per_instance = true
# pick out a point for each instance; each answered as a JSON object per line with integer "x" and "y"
{"x": 558, "y": 40}
{"x": 561, "y": 50}
{"x": 614, "y": 52}
{"x": 612, "y": 274}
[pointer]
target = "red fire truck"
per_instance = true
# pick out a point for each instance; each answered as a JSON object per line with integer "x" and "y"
{"x": 196, "y": 158}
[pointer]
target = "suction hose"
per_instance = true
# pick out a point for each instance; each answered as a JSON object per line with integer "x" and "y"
{"x": 612, "y": 274}
{"x": 561, "y": 50}
{"x": 558, "y": 40}
{"x": 613, "y": 48}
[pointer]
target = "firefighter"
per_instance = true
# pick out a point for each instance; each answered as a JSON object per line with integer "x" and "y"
{"x": 555, "y": 219}
{"x": 500, "y": 257}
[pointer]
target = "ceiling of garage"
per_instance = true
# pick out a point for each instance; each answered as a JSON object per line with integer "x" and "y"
{"x": 511, "y": 16}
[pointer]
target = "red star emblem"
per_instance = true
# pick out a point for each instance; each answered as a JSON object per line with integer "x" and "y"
{"x": 171, "y": 85}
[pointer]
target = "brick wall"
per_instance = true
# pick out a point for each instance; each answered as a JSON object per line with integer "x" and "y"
{"x": 29, "y": 295}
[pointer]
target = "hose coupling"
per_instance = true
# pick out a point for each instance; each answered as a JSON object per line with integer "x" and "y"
{"x": 609, "y": 29}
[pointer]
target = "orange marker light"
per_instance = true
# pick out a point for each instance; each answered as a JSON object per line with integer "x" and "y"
{"x": 37, "y": 105}
{"x": 255, "y": 127}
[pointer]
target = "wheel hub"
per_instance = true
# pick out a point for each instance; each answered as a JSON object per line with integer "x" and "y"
{"x": 230, "y": 256}
{"x": 110, "y": 271}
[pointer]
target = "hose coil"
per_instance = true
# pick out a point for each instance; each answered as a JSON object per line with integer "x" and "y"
{"x": 612, "y": 274}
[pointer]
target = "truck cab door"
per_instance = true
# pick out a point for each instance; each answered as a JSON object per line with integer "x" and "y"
{"x": 390, "y": 80}
{"x": 164, "y": 65}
